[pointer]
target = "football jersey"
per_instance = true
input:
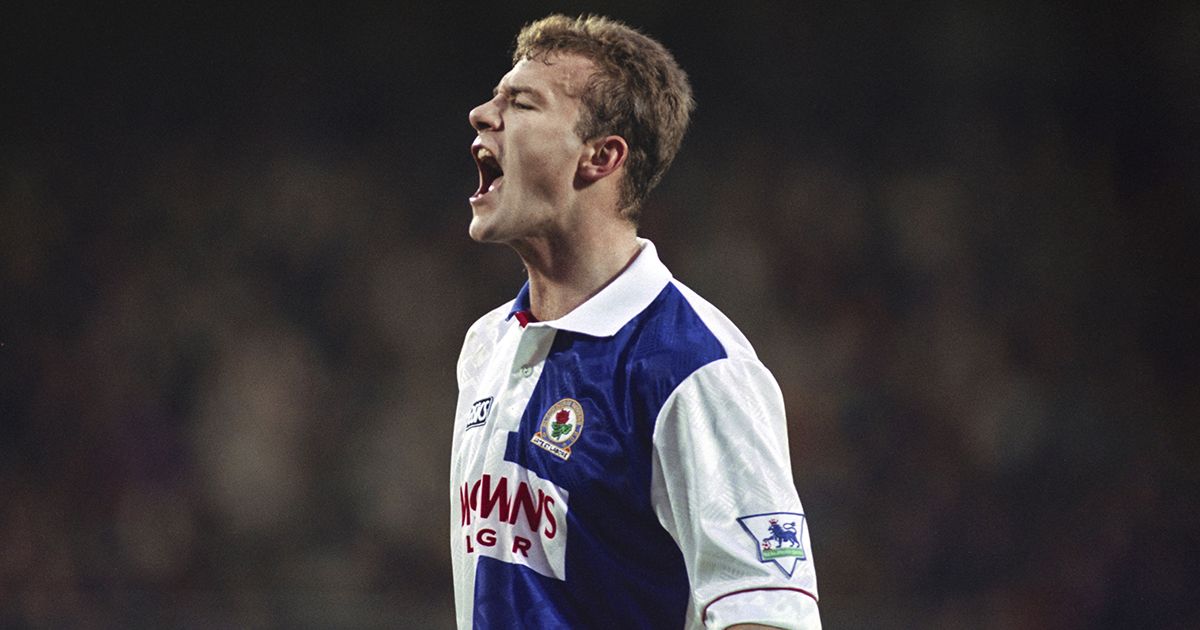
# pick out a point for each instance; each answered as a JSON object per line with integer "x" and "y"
{"x": 624, "y": 466}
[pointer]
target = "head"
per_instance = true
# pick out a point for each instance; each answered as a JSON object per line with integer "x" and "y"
{"x": 625, "y": 99}
{"x": 638, "y": 92}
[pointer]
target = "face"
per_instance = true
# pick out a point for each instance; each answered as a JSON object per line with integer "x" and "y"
{"x": 527, "y": 149}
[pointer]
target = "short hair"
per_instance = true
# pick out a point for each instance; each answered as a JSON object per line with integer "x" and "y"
{"x": 639, "y": 92}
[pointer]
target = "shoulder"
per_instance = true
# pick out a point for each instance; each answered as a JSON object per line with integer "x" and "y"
{"x": 680, "y": 333}
{"x": 491, "y": 320}
{"x": 481, "y": 335}
{"x": 724, "y": 331}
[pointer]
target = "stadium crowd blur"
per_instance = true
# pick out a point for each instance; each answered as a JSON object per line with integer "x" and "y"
{"x": 236, "y": 276}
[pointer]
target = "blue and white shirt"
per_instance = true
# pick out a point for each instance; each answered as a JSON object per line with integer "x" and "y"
{"x": 625, "y": 466}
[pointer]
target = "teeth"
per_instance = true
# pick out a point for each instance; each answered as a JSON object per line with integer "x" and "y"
{"x": 483, "y": 153}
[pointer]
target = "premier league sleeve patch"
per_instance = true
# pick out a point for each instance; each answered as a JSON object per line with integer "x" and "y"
{"x": 779, "y": 537}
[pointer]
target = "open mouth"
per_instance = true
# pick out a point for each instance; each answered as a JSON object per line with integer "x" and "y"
{"x": 490, "y": 173}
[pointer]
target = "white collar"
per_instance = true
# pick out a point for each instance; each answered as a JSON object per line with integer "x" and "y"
{"x": 605, "y": 313}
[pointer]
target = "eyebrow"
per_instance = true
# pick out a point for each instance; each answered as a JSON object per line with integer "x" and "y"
{"x": 516, "y": 90}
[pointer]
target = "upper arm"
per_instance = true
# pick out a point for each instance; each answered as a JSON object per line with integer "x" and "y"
{"x": 721, "y": 471}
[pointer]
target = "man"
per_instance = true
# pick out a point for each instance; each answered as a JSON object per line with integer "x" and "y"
{"x": 620, "y": 454}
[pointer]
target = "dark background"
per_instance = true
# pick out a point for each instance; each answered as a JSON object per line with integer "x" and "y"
{"x": 235, "y": 277}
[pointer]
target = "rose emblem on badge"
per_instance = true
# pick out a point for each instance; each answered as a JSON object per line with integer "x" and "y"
{"x": 561, "y": 426}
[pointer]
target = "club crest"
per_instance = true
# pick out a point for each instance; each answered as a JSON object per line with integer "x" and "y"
{"x": 561, "y": 425}
{"x": 779, "y": 537}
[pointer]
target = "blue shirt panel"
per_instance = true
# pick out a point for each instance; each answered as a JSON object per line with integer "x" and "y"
{"x": 622, "y": 568}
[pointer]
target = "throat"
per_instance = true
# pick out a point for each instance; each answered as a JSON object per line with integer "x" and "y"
{"x": 561, "y": 281}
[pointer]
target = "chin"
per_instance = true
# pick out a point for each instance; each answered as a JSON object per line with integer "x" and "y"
{"x": 476, "y": 232}
{"x": 481, "y": 232}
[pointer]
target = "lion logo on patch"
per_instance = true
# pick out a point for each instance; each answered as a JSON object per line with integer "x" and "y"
{"x": 780, "y": 534}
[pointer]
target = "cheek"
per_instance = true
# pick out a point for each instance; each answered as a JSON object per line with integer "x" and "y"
{"x": 553, "y": 161}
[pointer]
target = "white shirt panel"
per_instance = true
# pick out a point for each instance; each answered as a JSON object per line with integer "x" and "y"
{"x": 503, "y": 361}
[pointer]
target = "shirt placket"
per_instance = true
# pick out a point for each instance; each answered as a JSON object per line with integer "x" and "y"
{"x": 527, "y": 358}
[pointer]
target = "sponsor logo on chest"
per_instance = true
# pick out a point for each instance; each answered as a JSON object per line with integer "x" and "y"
{"x": 522, "y": 521}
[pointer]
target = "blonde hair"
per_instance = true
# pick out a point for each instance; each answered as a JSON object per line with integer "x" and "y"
{"x": 639, "y": 92}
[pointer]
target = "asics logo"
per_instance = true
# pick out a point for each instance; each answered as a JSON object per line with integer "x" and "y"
{"x": 479, "y": 412}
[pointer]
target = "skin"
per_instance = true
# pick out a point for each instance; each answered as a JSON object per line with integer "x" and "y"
{"x": 558, "y": 203}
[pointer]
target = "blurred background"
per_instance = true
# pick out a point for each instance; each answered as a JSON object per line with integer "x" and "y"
{"x": 234, "y": 278}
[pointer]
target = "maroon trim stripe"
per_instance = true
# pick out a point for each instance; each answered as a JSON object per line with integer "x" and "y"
{"x": 704, "y": 614}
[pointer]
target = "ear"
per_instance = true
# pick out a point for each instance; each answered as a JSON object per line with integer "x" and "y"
{"x": 603, "y": 158}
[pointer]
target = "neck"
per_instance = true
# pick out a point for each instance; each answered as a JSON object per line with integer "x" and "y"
{"x": 565, "y": 271}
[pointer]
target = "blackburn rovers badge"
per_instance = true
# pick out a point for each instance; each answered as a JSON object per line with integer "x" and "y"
{"x": 561, "y": 426}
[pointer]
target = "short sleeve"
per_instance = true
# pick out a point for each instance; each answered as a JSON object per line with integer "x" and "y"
{"x": 723, "y": 489}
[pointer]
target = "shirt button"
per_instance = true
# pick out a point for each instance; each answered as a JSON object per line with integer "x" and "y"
{"x": 526, "y": 371}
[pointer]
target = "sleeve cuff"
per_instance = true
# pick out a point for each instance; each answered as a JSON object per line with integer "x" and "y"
{"x": 782, "y": 607}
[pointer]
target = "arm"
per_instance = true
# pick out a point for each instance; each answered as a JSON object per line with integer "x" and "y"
{"x": 722, "y": 472}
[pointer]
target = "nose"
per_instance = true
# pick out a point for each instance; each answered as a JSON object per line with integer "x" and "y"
{"x": 485, "y": 116}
